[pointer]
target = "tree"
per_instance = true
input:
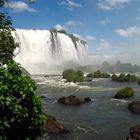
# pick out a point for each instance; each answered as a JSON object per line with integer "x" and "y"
{"x": 21, "y": 115}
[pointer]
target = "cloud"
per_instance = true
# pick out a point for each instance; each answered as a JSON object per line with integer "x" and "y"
{"x": 73, "y": 23}
{"x": 70, "y": 5}
{"x": 111, "y": 4}
{"x": 90, "y": 38}
{"x": 105, "y": 21}
{"x": 132, "y": 31}
{"x": 104, "y": 45}
{"x": 60, "y": 27}
{"x": 17, "y": 6}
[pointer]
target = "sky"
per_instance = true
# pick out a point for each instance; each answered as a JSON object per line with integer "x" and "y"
{"x": 110, "y": 27}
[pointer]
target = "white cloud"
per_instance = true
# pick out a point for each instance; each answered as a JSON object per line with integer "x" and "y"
{"x": 111, "y": 4}
{"x": 60, "y": 27}
{"x": 91, "y": 38}
{"x": 19, "y": 6}
{"x": 132, "y": 31}
{"x": 70, "y": 5}
{"x": 104, "y": 45}
{"x": 105, "y": 21}
{"x": 73, "y": 23}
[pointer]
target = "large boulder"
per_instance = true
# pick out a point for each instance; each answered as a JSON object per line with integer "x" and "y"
{"x": 126, "y": 92}
{"x": 53, "y": 126}
{"x": 73, "y": 100}
{"x": 134, "y": 133}
{"x": 134, "y": 106}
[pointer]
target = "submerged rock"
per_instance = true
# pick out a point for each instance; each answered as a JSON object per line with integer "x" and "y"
{"x": 134, "y": 106}
{"x": 73, "y": 100}
{"x": 53, "y": 126}
{"x": 134, "y": 133}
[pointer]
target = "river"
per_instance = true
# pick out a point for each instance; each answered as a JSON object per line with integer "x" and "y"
{"x": 104, "y": 118}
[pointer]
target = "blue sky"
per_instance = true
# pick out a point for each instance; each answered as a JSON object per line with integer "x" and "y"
{"x": 111, "y": 27}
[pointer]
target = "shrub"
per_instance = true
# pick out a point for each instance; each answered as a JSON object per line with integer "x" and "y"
{"x": 138, "y": 81}
{"x": 21, "y": 115}
{"x": 114, "y": 77}
{"x": 66, "y": 73}
{"x": 124, "y": 78}
{"x": 126, "y": 92}
{"x": 105, "y": 75}
{"x": 90, "y": 75}
{"x": 20, "y": 109}
{"x": 73, "y": 76}
{"x": 99, "y": 74}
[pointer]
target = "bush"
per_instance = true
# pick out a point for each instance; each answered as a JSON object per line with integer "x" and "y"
{"x": 21, "y": 115}
{"x": 99, "y": 74}
{"x": 114, "y": 77}
{"x": 20, "y": 109}
{"x": 126, "y": 92}
{"x": 138, "y": 81}
{"x": 73, "y": 76}
{"x": 124, "y": 78}
{"x": 90, "y": 75}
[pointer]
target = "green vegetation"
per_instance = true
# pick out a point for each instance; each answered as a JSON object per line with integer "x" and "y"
{"x": 124, "y": 78}
{"x": 98, "y": 74}
{"x": 90, "y": 75}
{"x": 73, "y": 76}
{"x": 126, "y": 92}
{"x": 21, "y": 115}
{"x": 138, "y": 81}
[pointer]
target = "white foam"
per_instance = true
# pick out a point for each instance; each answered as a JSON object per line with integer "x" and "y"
{"x": 120, "y": 100}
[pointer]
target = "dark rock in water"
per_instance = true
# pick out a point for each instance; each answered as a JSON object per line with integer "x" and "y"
{"x": 134, "y": 133}
{"x": 134, "y": 106}
{"x": 88, "y": 79}
{"x": 42, "y": 96}
{"x": 53, "y": 126}
{"x": 73, "y": 100}
{"x": 87, "y": 99}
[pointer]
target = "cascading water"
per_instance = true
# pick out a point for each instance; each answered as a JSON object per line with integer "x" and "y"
{"x": 44, "y": 51}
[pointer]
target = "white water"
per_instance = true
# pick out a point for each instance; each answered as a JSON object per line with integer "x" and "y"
{"x": 42, "y": 51}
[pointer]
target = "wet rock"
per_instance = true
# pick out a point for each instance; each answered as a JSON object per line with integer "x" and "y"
{"x": 73, "y": 100}
{"x": 53, "y": 126}
{"x": 134, "y": 133}
{"x": 134, "y": 106}
{"x": 43, "y": 97}
{"x": 87, "y": 99}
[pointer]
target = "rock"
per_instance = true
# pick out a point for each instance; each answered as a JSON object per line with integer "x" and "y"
{"x": 134, "y": 133}
{"x": 73, "y": 100}
{"x": 87, "y": 99}
{"x": 134, "y": 106}
{"x": 53, "y": 126}
{"x": 42, "y": 96}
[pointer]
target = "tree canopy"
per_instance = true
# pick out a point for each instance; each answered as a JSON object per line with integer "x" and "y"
{"x": 21, "y": 115}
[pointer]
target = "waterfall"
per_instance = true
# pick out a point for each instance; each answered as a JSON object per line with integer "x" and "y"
{"x": 44, "y": 51}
